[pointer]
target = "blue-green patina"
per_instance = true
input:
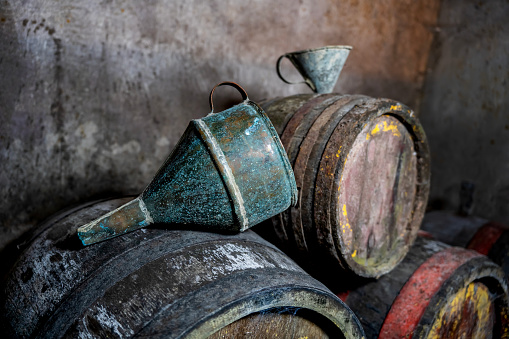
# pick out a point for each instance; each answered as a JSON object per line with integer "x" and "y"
{"x": 229, "y": 171}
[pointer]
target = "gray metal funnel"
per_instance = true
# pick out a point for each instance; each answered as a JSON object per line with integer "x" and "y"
{"x": 320, "y": 67}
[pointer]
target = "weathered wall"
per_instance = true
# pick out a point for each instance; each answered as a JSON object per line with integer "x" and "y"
{"x": 94, "y": 95}
{"x": 465, "y": 109}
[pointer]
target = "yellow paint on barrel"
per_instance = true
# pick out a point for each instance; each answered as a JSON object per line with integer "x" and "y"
{"x": 376, "y": 129}
{"x": 338, "y": 152}
{"x": 345, "y": 226}
{"x": 384, "y": 127}
{"x": 467, "y": 313}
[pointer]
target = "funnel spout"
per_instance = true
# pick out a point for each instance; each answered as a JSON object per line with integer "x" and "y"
{"x": 126, "y": 218}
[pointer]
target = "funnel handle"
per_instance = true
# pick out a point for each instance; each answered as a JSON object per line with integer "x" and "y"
{"x": 278, "y": 70}
{"x": 229, "y": 83}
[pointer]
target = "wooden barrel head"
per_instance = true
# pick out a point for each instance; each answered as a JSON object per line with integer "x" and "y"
{"x": 376, "y": 191}
{"x": 280, "y": 324}
{"x": 469, "y": 313}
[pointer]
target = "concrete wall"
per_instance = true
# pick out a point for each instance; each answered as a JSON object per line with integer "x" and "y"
{"x": 94, "y": 94}
{"x": 465, "y": 109}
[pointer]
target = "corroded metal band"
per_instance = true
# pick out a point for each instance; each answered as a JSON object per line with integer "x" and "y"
{"x": 426, "y": 281}
{"x": 281, "y": 110}
{"x": 294, "y": 133}
{"x": 256, "y": 296}
{"x": 296, "y": 119}
{"x": 301, "y": 164}
{"x": 328, "y": 181}
{"x": 312, "y": 151}
{"x": 226, "y": 172}
{"x": 335, "y": 154}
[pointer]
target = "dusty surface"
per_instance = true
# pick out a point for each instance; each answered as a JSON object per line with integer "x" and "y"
{"x": 94, "y": 96}
{"x": 465, "y": 107}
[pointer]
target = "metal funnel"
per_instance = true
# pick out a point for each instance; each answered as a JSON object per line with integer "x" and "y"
{"x": 319, "y": 67}
{"x": 228, "y": 172}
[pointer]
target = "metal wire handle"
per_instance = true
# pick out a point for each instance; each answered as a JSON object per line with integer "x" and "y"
{"x": 229, "y": 83}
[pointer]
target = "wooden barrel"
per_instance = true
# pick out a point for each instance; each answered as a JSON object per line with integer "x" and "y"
{"x": 362, "y": 171}
{"x": 437, "y": 291}
{"x": 157, "y": 282}
{"x": 486, "y": 237}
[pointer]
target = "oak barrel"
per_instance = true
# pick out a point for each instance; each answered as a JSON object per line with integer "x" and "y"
{"x": 156, "y": 282}
{"x": 486, "y": 237}
{"x": 437, "y": 291}
{"x": 362, "y": 171}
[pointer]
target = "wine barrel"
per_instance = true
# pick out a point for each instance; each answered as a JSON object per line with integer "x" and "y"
{"x": 437, "y": 291}
{"x": 362, "y": 171}
{"x": 486, "y": 237}
{"x": 155, "y": 282}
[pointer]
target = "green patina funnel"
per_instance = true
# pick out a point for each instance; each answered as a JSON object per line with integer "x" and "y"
{"x": 320, "y": 67}
{"x": 228, "y": 172}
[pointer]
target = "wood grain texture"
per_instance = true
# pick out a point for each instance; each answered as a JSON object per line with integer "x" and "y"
{"x": 274, "y": 324}
{"x": 153, "y": 282}
{"x": 469, "y": 313}
{"x": 376, "y": 193}
{"x": 292, "y": 137}
{"x": 303, "y": 222}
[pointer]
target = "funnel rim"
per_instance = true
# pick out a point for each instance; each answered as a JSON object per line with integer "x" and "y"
{"x": 282, "y": 153}
{"x": 309, "y": 50}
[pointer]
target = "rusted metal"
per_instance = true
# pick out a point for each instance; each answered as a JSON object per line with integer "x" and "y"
{"x": 424, "y": 283}
{"x": 282, "y": 222}
{"x": 155, "y": 283}
{"x": 320, "y": 67}
{"x": 298, "y": 136}
{"x": 229, "y": 171}
{"x": 437, "y": 291}
{"x": 331, "y": 210}
{"x": 335, "y": 154}
{"x": 296, "y": 119}
{"x": 328, "y": 113}
{"x": 311, "y": 152}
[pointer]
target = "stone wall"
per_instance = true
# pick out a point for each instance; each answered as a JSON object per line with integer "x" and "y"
{"x": 94, "y": 94}
{"x": 465, "y": 108}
